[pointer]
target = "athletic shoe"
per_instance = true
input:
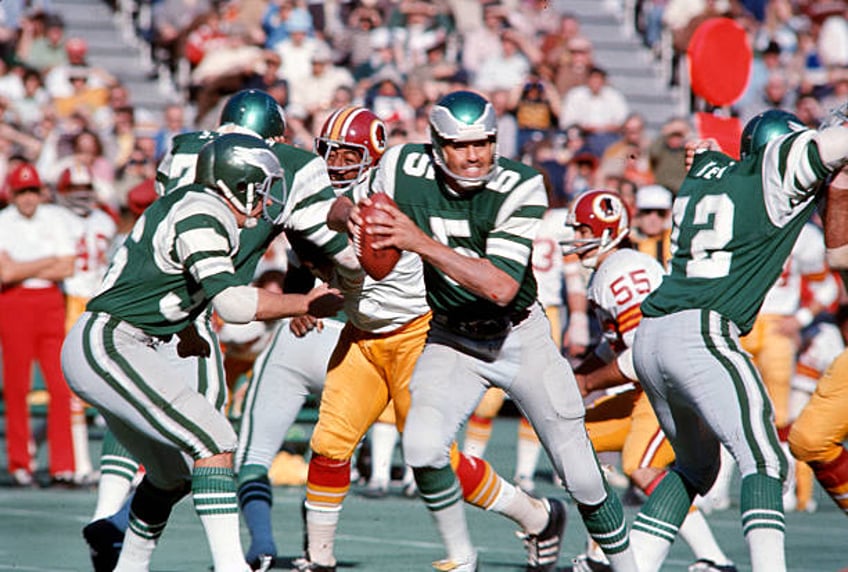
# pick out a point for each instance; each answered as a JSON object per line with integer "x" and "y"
{"x": 262, "y": 563}
{"x": 22, "y": 478}
{"x": 584, "y": 563}
{"x": 468, "y": 565}
{"x": 104, "y": 541}
{"x": 543, "y": 548}
{"x": 303, "y": 565}
{"x": 704, "y": 565}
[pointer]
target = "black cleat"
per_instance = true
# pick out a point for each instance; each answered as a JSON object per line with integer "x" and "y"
{"x": 104, "y": 541}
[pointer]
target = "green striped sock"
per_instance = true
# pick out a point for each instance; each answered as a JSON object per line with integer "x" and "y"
{"x": 214, "y": 491}
{"x": 439, "y": 488}
{"x": 762, "y": 503}
{"x": 665, "y": 509}
{"x": 606, "y": 525}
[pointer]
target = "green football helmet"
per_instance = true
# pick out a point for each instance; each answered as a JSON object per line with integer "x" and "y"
{"x": 766, "y": 126}
{"x": 240, "y": 168}
{"x": 462, "y": 116}
{"x": 257, "y": 111}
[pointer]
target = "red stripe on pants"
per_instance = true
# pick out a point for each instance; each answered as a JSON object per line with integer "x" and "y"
{"x": 32, "y": 328}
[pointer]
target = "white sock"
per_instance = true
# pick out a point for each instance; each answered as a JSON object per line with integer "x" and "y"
{"x": 453, "y": 529}
{"x": 650, "y": 551}
{"x": 697, "y": 533}
{"x": 526, "y": 456}
{"x": 383, "y": 439}
{"x": 112, "y": 492}
{"x": 530, "y": 513}
{"x": 79, "y": 436}
{"x": 721, "y": 487}
{"x": 137, "y": 549}
{"x": 321, "y": 525}
{"x": 767, "y": 550}
{"x": 222, "y": 534}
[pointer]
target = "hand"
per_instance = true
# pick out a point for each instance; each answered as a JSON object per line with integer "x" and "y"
{"x": 191, "y": 344}
{"x": 391, "y": 227}
{"x": 693, "y": 147}
{"x": 302, "y": 325}
{"x": 324, "y": 301}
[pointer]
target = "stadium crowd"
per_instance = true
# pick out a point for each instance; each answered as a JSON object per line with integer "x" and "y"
{"x": 72, "y": 138}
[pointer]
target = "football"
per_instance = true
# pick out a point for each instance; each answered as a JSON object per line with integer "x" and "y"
{"x": 376, "y": 263}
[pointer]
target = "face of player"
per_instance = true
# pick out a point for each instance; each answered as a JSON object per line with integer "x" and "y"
{"x": 344, "y": 163}
{"x": 584, "y": 233}
{"x": 469, "y": 159}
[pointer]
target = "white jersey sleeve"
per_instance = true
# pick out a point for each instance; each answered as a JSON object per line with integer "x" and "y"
{"x": 817, "y": 356}
{"x": 548, "y": 266}
{"x": 93, "y": 236}
{"x": 807, "y": 258}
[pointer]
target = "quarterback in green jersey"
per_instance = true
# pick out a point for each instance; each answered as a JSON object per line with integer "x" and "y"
{"x": 735, "y": 223}
{"x": 122, "y": 356}
{"x": 472, "y": 216}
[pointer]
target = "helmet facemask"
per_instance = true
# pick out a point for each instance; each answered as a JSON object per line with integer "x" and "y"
{"x": 605, "y": 217}
{"x": 463, "y": 117}
{"x": 324, "y": 147}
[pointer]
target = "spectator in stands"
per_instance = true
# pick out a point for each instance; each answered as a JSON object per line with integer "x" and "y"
{"x": 484, "y": 41}
{"x": 536, "y": 106}
{"x": 354, "y": 42}
{"x": 507, "y": 124}
{"x": 598, "y": 108}
{"x": 314, "y": 91}
{"x": 573, "y": 67}
{"x": 651, "y": 232}
{"x": 416, "y": 25}
{"x": 628, "y": 157}
{"x": 382, "y": 58}
{"x": 87, "y": 153}
{"x": 36, "y": 253}
{"x": 58, "y": 80}
{"x": 505, "y": 68}
{"x": 297, "y": 49}
{"x": 172, "y": 21}
{"x": 275, "y": 22}
{"x": 667, "y": 153}
{"x": 174, "y": 124}
{"x": 41, "y": 43}
{"x": 29, "y": 109}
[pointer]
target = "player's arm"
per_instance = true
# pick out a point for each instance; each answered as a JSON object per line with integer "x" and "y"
{"x": 596, "y": 373}
{"x": 836, "y": 221}
{"x": 339, "y": 214}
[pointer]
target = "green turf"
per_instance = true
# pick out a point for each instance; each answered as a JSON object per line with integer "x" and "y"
{"x": 40, "y": 530}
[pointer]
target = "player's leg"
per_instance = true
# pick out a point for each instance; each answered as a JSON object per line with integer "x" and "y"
{"x": 83, "y": 469}
{"x": 478, "y": 429}
{"x": 444, "y": 390}
{"x": 646, "y": 454}
{"x": 714, "y": 394}
{"x": 817, "y": 435}
{"x": 544, "y": 389}
{"x": 284, "y": 375}
{"x": 354, "y": 395}
{"x": 135, "y": 384}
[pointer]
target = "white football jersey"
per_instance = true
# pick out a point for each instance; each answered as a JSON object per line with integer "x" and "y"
{"x": 384, "y": 305}
{"x": 93, "y": 236}
{"x": 807, "y": 258}
{"x": 617, "y": 289}
{"x": 547, "y": 260}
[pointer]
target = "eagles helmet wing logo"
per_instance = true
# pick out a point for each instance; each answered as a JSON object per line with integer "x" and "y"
{"x": 260, "y": 158}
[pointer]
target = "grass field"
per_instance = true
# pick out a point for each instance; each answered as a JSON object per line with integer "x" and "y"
{"x": 40, "y": 530}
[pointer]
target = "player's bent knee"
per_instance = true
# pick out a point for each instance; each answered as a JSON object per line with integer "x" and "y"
{"x": 421, "y": 451}
{"x": 808, "y": 447}
{"x": 333, "y": 445}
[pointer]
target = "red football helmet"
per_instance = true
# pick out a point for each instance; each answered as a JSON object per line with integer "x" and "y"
{"x": 356, "y": 128}
{"x": 75, "y": 188}
{"x": 605, "y": 215}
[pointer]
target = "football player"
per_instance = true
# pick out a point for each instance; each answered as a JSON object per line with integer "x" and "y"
{"x": 471, "y": 217}
{"x": 817, "y": 436}
{"x": 93, "y": 230}
{"x": 388, "y": 322}
{"x": 622, "y": 420}
{"x": 734, "y": 226}
{"x": 124, "y": 354}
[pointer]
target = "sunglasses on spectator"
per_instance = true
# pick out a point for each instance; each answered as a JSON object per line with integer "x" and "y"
{"x": 658, "y": 212}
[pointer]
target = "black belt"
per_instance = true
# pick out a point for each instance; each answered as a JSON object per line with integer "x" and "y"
{"x": 482, "y": 328}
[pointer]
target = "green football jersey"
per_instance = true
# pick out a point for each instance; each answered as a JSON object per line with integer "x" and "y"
{"x": 735, "y": 223}
{"x": 498, "y": 222}
{"x": 176, "y": 259}
{"x": 300, "y": 205}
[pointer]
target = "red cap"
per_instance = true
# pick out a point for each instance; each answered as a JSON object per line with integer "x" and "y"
{"x": 141, "y": 196}
{"x": 76, "y": 46}
{"x": 74, "y": 176}
{"x": 23, "y": 177}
